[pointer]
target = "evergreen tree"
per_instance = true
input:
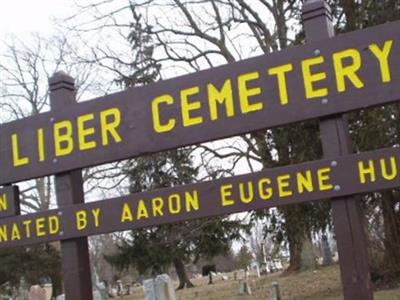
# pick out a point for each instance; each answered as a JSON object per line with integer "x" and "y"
{"x": 154, "y": 250}
{"x": 36, "y": 264}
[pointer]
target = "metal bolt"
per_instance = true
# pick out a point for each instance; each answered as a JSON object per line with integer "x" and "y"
{"x": 337, "y": 188}
{"x": 60, "y": 213}
{"x": 52, "y": 120}
{"x": 61, "y": 233}
{"x": 334, "y": 163}
{"x": 317, "y": 52}
{"x": 324, "y": 101}
{"x": 131, "y": 126}
{"x": 55, "y": 160}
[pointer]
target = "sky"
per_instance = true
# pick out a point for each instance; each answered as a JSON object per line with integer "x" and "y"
{"x": 19, "y": 17}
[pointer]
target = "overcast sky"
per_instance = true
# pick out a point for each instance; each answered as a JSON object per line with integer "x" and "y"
{"x": 24, "y": 16}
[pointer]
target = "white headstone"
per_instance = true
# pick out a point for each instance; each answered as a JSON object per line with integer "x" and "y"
{"x": 164, "y": 288}
{"x": 258, "y": 271}
{"x": 60, "y": 297}
{"x": 149, "y": 289}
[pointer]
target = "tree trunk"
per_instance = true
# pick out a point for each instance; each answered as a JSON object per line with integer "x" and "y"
{"x": 184, "y": 280}
{"x": 391, "y": 223}
{"x": 295, "y": 254}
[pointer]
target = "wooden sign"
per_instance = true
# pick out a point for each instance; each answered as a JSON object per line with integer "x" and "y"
{"x": 9, "y": 201}
{"x": 357, "y": 173}
{"x": 351, "y": 71}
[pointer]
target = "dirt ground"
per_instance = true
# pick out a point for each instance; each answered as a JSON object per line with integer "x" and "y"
{"x": 323, "y": 284}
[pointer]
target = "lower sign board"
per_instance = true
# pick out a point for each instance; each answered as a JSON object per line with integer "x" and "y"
{"x": 315, "y": 180}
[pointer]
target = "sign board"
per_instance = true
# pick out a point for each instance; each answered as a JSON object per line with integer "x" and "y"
{"x": 352, "y": 174}
{"x": 351, "y": 71}
{"x": 9, "y": 201}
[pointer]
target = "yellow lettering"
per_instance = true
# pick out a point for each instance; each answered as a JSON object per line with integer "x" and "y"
{"x": 96, "y": 215}
{"x": 109, "y": 127}
{"x": 174, "y": 203}
{"x": 393, "y": 167}
{"x": 348, "y": 71}
{"x": 15, "y": 234}
{"x": 215, "y": 97}
{"x": 245, "y": 93}
{"x": 81, "y": 220}
{"x": 192, "y": 200}
{"x": 283, "y": 182}
{"x": 64, "y": 143}
{"x": 3, "y": 233}
{"x": 158, "y": 204}
{"x": 265, "y": 192}
{"x": 383, "y": 57}
{"x": 249, "y": 196}
{"x": 310, "y": 78}
{"x": 40, "y": 222}
{"x": 324, "y": 176}
{"x": 226, "y": 191}
{"x": 3, "y": 202}
{"x": 127, "y": 214}
{"x": 187, "y": 107}
{"x": 54, "y": 224}
{"x": 366, "y": 170}
{"x": 280, "y": 72}
{"x": 27, "y": 224}
{"x": 142, "y": 210}
{"x": 17, "y": 158}
{"x": 84, "y": 132}
{"x": 305, "y": 182}
{"x": 155, "y": 107}
{"x": 41, "y": 151}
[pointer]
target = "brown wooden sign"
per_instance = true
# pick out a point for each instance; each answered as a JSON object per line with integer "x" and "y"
{"x": 357, "y": 173}
{"x": 9, "y": 201}
{"x": 343, "y": 73}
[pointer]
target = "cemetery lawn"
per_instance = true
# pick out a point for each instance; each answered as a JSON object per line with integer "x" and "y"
{"x": 323, "y": 284}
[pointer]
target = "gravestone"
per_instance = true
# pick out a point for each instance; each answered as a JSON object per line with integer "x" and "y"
{"x": 257, "y": 269}
{"x": 275, "y": 293}
{"x": 308, "y": 261}
{"x": 128, "y": 290}
{"x": 22, "y": 290}
{"x": 208, "y": 268}
{"x": 149, "y": 289}
{"x": 164, "y": 288}
{"x": 326, "y": 251}
{"x": 160, "y": 288}
{"x": 37, "y": 293}
{"x": 120, "y": 288}
{"x": 244, "y": 287}
{"x": 48, "y": 288}
{"x": 264, "y": 264}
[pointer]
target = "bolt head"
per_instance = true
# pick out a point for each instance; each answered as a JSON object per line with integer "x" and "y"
{"x": 317, "y": 52}
{"x": 337, "y": 188}
{"x": 334, "y": 163}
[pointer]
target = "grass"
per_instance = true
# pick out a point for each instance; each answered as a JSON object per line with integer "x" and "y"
{"x": 322, "y": 284}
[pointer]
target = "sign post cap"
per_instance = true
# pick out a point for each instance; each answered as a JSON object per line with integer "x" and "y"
{"x": 61, "y": 79}
{"x": 315, "y": 8}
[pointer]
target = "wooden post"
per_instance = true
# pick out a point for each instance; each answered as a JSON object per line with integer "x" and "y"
{"x": 69, "y": 191}
{"x": 346, "y": 211}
